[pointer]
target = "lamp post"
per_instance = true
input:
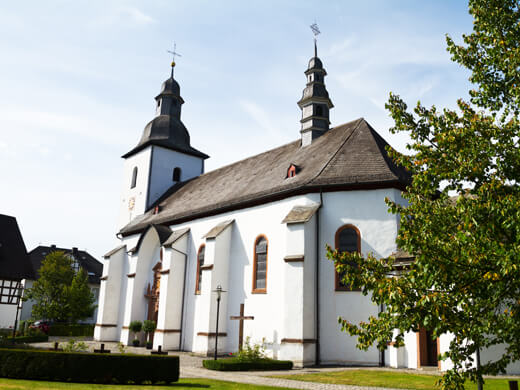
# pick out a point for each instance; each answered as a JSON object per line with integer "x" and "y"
{"x": 219, "y": 292}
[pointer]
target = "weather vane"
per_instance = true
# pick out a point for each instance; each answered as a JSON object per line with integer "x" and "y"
{"x": 174, "y": 53}
{"x": 316, "y": 31}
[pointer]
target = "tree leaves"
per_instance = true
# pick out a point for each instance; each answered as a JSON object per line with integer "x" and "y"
{"x": 461, "y": 219}
{"x": 60, "y": 294}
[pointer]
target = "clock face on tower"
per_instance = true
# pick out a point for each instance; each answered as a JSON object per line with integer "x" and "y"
{"x": 131, "y": 203}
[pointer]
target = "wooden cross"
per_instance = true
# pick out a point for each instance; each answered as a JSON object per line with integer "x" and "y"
{"x": 241, "y": 318}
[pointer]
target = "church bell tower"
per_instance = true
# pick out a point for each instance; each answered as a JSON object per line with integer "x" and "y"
{"x": 162, "y": 159}
{"x": 315, "y": 102}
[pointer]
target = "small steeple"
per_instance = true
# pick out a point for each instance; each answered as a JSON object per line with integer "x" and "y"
{"x": 167, "y": 129}
{"x": 315, "y": 102}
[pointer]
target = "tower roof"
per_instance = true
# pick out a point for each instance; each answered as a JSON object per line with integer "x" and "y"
{"x": 166, "y": 129}
{"x": 168, "y": 132}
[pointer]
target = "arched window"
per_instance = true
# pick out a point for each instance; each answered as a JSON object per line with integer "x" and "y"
{"x": 134, "y": 178}
{"x": 176, "y": 174}
{"x": 200, "y": 263}
{"x": 260, "y": 266}
{"x": 348, "y": 239}
{"x": 319, "y": 111}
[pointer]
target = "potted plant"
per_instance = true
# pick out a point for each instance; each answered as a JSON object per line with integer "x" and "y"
{"x": 148, "y": 328}
{"x": 135, "y": 327}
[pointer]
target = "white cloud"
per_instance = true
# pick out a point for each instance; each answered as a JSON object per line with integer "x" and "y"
{"x": 137, "y": 15}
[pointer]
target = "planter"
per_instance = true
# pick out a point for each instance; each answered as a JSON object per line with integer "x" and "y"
{"x": 149, "y": 345}
{"x": 135, "y": 342}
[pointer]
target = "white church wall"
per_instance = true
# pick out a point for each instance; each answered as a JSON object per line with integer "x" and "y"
{"x": 367, "y": 211}
{"x": 364, "y": 209}
{"x": 140, "y": 266}
{"x": 168, "y": 330}
{"x": 266, "y": 308}
{"x": 110, "y": 297}
{"x": 133, "y": 200}
{"x": 161, "y": 174}
{"x": 309, "y": 291}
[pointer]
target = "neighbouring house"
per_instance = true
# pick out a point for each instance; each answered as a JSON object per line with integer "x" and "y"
{"x": 258, "y": 228}
{"x": 15, "y": 269}
{"x": 80, "y": 259}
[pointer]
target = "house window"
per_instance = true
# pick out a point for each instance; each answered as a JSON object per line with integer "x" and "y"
{"x": 348, "y": 239}
{"x": 260, "y": 266}
{"x": 200, "y": 263}
{"x": 74, "y": 263}
{"x": 319, "y": 111}
{"x": 176, "y": 174}
{"x": 158, "y": 103}
{"x": 134, "y": 178}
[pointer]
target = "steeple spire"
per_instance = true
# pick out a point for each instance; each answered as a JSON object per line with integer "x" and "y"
{"x": 315, "y": 102}
{"x": 173, "y": 53}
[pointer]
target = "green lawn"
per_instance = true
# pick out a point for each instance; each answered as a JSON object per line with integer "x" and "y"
{"x": 18, "y": 384}
{"x": 380, "y": 378}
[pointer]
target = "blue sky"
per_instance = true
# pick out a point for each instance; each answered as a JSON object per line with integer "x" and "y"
{"x": 77, "y": 82}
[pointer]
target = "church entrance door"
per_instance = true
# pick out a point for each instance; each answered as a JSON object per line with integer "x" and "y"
{"x": 427, "y": 349}
{"x": 152, "y": 294}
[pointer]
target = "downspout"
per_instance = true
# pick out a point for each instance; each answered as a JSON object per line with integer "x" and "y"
{"x": 183, "y": 296}
{"x": 381, "y": 353}
{"x": 317, "y": 282}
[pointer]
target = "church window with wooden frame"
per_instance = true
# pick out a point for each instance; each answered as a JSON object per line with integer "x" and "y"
{"x": 260, "y": 265}
{"x": 134, "y": 178}
{"x": 200, "y": 264}
{"x": 347, "y": 239}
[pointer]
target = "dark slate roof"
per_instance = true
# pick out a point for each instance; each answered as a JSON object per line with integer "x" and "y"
{"x": 350, "y": 156}
{"x": 168, "y": 132}
{"x": 14, "y": 260}
{"x": 93, "y": 267}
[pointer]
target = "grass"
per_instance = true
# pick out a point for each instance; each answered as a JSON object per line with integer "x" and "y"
{"x": 380, "y": 378}
{"x": 18, "y": 384}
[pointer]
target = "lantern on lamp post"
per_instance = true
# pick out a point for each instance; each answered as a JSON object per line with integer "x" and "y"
{"x": 219, "y": 292}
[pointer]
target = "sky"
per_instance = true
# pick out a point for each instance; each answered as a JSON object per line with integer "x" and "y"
{"x": 78, "y": 81}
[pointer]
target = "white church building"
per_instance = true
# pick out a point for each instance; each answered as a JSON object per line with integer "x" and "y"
{"x": 258, "y": 228}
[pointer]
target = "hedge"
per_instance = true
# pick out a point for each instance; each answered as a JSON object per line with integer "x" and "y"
{"x": 86, "y": 330}
{"x": 30, "y": 339}
{"x": 87, "y": 367}
{"x": 234, "y": 364}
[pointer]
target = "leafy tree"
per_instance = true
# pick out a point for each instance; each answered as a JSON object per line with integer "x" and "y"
{"x": 61, "y": 294}
{"x": 462, "y": 216}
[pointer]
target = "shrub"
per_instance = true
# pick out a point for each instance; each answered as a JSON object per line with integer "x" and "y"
{"x": 251, "y": 352}
{"x": 135, "y": 326}
{"x": 87, "y": 367}
{"x": 30, "y": 339}
{"x": 235, "y": 364}
{"x": 73, "y": 346}
{"x": 77, "y": 330}
{"x": 136, "y": 342}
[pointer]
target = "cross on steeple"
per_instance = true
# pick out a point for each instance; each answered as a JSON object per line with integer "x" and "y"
{"x": 174, "y": 53}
